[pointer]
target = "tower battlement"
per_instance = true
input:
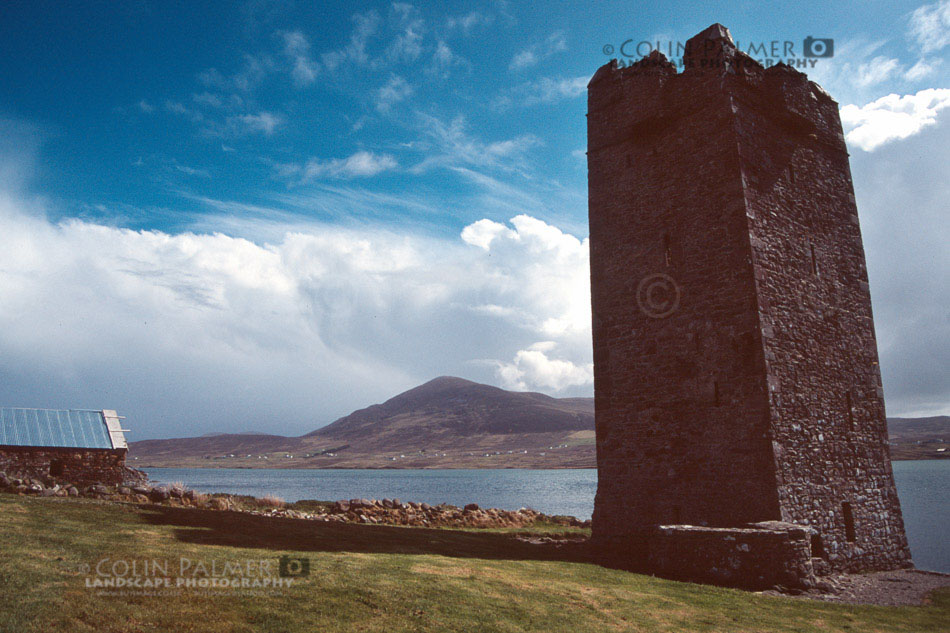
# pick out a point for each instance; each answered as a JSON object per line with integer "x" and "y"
{"x": 735, "y": 361}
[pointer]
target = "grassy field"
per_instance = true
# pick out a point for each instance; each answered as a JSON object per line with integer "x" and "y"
{"x": 364, "y": 578}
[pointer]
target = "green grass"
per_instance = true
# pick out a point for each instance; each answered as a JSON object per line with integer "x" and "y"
{"x": 369, "y": 578}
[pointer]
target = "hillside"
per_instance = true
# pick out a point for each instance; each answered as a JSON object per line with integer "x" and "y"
{"x": 447, "y": 408}
{"x": 454, "y": 423}
{"x": 445, "y": 423}
{"x": 919, "y": 438}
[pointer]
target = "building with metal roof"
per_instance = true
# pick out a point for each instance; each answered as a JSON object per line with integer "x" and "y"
{"x": 75, "y": 445}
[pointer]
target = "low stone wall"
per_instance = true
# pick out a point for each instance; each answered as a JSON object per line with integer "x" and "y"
{"x": 80, "y": 466}
{"x": 758, "y": 556}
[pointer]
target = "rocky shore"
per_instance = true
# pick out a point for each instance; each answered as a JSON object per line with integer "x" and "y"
{"x": 366, "y": 511}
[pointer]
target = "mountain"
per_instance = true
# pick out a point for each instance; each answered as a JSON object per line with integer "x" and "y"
{"x": 454, "y": 423}
{"x": 446, "y": 422}
{"x": 447, "y": 409}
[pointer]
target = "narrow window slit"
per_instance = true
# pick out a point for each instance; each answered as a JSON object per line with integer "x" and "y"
{"x": 850, "y": 405}
{"x": 848, "y": 521}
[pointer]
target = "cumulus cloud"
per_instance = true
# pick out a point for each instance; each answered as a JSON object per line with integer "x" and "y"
{"x": 533, "y": 367}
{"x": 189, "y": 333}
{"x": 893, "y": 117}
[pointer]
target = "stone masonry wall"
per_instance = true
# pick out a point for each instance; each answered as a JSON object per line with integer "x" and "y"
{"x": 828, "y": 421}
{"x": 79, "y": 466}
{"x": 735, "y": 365}
{"x": 756, "y": 557}
{"x": 681, "y": 405}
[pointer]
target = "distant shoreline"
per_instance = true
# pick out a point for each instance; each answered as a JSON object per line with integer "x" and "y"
{"x": 396, "y": 468}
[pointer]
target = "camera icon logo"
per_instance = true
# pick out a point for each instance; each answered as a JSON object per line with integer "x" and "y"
{"x": 292, "y": 567}
{"x": 818, "y": 47}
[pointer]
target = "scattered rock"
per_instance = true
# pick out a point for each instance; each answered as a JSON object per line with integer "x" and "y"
{"x": 158, "y": 495}
{"x": 472, "y": 507}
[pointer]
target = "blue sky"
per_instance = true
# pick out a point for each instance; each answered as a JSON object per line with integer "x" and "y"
{"x": 226, "y": 216}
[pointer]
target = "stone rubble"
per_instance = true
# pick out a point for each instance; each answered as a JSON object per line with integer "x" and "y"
{"x": 365, "y": 511}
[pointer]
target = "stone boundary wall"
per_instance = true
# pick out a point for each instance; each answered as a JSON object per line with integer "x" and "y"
{"x": 82, "y": 466}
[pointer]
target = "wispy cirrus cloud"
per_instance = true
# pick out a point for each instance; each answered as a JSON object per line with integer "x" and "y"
{"x": 261, "y": 122}
{"x": 360, "y": 164}
{"x": 396, "y": 89}
{"x": 297, "y": 49}
{"x": 545, "y": 90}
{"x": 929, "y": 26}
{"x": 532, "y": 55}
{"x": 450, "y": 144}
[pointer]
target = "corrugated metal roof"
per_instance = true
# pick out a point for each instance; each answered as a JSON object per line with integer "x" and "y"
{"x": 54, "y": 428}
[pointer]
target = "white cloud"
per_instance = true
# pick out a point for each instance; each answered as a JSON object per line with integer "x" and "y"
{"x": 892, "y": 117}
{"x": 533, "y": 368}
{"x": 145, "y": 106}
{"x": 407, "y": 46}
{"x": 467, "y": 22}
{"x": 876, "y": 71}
{"x": 443, "y": 59}
{"x": 523, "y": 59}
{"x": 297, "y": 48}
{"x": 189, "y": 333}
{"x": 245, "y": 80}
{"x": 263, "y": 122}
{"x": 923, "y": 68}
{"x": 452, "y": 145}
{"x": 361, "y": 163}
{"x": 394, "y": 91}
{"x": 367, "y": 24}
{"x": 544, "y": 90}
{"x": 192, "y": 171}
{"x": 555, "y": 43}
{"x": 930, "y": 26}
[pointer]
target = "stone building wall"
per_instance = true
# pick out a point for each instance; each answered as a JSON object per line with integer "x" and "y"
{"x": 681, "y": 405}
{"x": 735, "y": 366}
{"x": 78, "y": 466}
{"x": 827, "y": 403}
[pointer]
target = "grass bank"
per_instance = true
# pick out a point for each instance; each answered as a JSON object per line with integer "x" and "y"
{"x": 362, "y": 578}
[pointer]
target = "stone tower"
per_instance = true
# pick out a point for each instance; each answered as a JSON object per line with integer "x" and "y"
{"x": 735, "y": 362}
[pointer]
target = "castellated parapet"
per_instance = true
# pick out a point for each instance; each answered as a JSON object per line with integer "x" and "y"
{"x": 736, "y": 367}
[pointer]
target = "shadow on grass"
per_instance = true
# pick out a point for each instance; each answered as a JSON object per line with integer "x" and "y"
{"x": 237, "y": 529}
